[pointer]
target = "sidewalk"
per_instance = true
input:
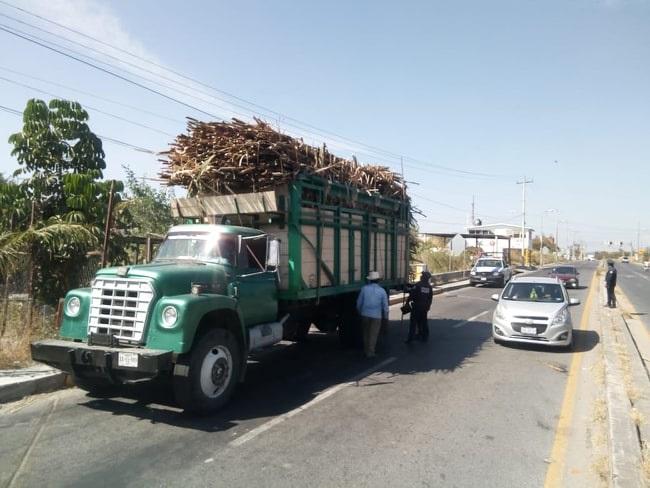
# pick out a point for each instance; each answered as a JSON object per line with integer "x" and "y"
{"x": 18, "y": 383}
{"x": 604, "y": 423}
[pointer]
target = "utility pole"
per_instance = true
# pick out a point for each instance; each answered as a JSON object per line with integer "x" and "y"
{"x": 638, "y": 240}
{"x": 473, "y": 213}
{"x": 523, "y": 183}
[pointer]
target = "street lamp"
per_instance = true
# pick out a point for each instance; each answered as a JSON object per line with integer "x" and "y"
{"x": 541, "y": 239}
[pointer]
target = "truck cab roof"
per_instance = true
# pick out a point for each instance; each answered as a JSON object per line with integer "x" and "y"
{"x": 213, "y": 228}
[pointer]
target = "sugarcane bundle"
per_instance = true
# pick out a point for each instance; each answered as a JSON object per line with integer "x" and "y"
{"x": 236, "y": 157}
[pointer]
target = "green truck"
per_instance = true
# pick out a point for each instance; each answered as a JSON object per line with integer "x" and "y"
{"x": 258, "y": 268}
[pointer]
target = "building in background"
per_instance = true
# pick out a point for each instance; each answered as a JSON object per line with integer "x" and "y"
{"x": 499, "y": 238}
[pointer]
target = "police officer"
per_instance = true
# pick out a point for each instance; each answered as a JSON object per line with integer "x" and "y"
{"x": 420, "y": 299}
{"x": 610, "y": 283}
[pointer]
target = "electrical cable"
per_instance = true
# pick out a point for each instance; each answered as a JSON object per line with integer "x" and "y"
{"x": 253, "y": 104}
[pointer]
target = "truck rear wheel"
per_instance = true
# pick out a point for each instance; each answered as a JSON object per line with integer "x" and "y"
{"x": 214, "y": 369}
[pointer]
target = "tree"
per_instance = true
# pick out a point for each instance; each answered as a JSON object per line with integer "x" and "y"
{"x": 144, "y": 209}
{"x": 59, "y": 209}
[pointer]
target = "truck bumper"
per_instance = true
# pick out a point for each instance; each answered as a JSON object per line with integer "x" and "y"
{"x": 486, "y": 280}
{"x": 76, "y": 357}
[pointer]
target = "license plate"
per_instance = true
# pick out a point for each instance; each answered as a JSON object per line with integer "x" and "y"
{"x": 483, "y": 278}
{"x": 128, "y": 359}
{"x": 529, "y": 330}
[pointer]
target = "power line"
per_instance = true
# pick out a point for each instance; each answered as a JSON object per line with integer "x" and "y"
{"x": 108, "y": 72}
{"x": 230, "y": 95}
{"x": 104, "y": 138}
{"x": 93, "y": 95}
{"x": 118, "y": 117}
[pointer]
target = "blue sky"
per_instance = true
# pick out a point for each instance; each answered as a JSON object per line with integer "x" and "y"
{"x": 555, "y": 90}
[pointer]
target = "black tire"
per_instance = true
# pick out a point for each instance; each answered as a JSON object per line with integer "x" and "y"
{"x": 497, "y": 341}
{"x": 95, "y": 385}
{"x": 216, "y": 346}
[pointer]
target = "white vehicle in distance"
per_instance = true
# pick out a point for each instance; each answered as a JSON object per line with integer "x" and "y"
{"x": 534, "y": 310}
{"x": 490, "y": 271}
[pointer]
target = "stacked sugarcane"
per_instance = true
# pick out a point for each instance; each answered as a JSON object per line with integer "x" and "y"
{"x": 218, "y": 158}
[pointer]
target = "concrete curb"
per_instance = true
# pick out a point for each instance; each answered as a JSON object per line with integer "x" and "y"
{"x": 17, "y": 384}
{"x": 625, "y": 449}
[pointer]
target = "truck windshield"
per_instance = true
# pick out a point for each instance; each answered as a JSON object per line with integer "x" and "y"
{"x": 216, "y": 248}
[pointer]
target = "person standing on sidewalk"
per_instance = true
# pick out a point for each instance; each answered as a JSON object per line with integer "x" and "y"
{"x": 610, "y": 283}
{"x": 420, "y": 300}
{"x": 372, "y": 305}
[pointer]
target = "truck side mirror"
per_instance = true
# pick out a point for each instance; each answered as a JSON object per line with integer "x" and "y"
{"x": 273, "y": 260}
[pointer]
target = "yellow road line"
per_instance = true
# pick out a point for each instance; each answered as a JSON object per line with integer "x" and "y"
{"x": 560, "y": 444}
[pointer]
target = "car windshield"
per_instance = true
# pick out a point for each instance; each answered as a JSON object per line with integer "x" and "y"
{"x": 534, "y": 292}
{"x": 565, "y": 270}
{"x": 217, "y": 248}
{"x": 489, "y": 263}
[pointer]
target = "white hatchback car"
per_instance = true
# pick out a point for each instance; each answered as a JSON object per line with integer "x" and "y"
{"x": 534, "y": 310}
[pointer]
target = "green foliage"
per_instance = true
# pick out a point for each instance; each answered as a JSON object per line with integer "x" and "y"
{"x": 57, "y": 213}
{"x": 145, "y": 209}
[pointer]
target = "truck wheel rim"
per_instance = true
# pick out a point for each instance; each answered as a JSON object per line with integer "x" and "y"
{"x": 216, "y": 371}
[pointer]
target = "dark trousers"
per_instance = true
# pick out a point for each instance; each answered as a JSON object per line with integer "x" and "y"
{"x": 419, "y": 323}
{"x": 611, "y": 297}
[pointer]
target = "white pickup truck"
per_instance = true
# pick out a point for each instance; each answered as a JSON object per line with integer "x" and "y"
{"x": 490, "y": 271}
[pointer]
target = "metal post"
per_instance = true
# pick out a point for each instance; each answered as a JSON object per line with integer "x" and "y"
{"x": 523, "y": 182}
{"x": 107, "y": 229}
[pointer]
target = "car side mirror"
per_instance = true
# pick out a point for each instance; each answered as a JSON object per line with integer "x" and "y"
{"x": 495, "y": 297}
{"x": 574, "y": 301}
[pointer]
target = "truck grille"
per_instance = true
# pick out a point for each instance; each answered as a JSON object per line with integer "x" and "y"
{"x": 119, "y": 307}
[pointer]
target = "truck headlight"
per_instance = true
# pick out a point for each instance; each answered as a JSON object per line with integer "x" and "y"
{"x": 169, "y": 316}
{"x": 561, "y": 318}
{"x": 73, "y": 306}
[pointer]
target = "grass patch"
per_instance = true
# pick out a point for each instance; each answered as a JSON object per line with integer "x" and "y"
{"x": 14, "y": 343}
{"x": 601, "y": 467}
{"x": 637, "y": 417}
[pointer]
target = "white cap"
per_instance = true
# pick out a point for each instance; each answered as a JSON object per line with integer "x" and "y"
{"x": 372, "y": 276}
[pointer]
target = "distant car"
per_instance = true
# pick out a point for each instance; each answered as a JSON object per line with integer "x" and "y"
{"x": 534, "y": 310}
{"x": 490, "y": 271}
{"x": 646, "y": 265}
{"x": 625, "y": 259}
{"x": 591, "y": 257}
{"x": 568, "y": 275}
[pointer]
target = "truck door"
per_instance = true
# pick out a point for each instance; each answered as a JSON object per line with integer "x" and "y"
{"x": 256, "y": 287}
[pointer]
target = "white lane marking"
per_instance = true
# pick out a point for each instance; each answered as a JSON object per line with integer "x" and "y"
{"x": 471, "y": 319}
{"x": 319, "y": 398}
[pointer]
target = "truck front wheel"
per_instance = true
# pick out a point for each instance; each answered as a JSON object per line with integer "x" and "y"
{"x": 214, "y": 369}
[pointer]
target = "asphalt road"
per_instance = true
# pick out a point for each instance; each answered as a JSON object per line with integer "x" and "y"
{"x": 457, "y": 411}
{"x": 635, "y": 283}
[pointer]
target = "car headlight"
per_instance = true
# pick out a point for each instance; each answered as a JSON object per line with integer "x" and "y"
{"x": 73, "y": 306}
{"x": 498, "y": 313}
{"x": 561, "y": 318}
{"x": 473, "y": 273}
{"x": 169, "y": 316}
{"x": 496, "y": 273}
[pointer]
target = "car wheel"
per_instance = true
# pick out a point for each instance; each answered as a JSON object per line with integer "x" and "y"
{"x": 214, "y": 369}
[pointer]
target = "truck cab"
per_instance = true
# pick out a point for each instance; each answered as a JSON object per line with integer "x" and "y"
{"x": 195, "y": 311}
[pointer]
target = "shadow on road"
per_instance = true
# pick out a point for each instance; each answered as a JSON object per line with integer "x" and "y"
{"x": 287, "y": 376}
